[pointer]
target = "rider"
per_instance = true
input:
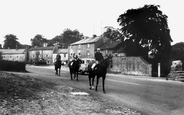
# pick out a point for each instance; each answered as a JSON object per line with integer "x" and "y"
{"x": 75, "y": 57}
{"x": 98, "y": 56}
{"x": 58, "y": 57}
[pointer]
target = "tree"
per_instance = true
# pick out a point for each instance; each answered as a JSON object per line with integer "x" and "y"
{"x": 70, "y": 36}
{"x": 56, "y": 39}
{"x": 38, "y": 41}
{"x": 0, "y": 46}
{"x": 147, "y": 28}
{"x": 10, "y": 42}
{"x": 113, "y": 34}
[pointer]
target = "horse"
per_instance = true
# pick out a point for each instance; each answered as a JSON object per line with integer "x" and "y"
{"x": 99, "y": 70}
{"x": 74, "y": 66}
{"x": 57, "y": 65}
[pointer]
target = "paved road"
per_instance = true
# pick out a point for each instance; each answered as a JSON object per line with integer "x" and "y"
{"x": 151, "y": 96}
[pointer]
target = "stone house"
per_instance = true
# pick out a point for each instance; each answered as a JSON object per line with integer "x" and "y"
{"x": 111, "y": 47}
{"x": 63, "y": 53}
{"x": 86, "y": 47}
{"x": 20, "y": 55}
{"x": 45, "y": 53}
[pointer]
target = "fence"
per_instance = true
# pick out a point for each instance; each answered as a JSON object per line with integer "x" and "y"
{"x": 130, "y": 65}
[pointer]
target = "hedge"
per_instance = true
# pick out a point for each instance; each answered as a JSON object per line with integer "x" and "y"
{"x": 12, "y": 65}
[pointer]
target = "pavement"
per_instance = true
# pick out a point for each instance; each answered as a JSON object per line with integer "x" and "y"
{"x": 158, "y": 79}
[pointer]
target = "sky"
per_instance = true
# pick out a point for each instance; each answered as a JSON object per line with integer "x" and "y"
{"x": 27, "y": 18}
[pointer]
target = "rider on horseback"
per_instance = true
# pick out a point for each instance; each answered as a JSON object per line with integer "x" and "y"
{"x": 98, "y": 57}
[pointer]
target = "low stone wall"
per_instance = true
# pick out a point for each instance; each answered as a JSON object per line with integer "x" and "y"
{"x": 131, "y": 66}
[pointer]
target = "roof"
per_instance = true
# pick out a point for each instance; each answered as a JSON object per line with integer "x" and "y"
{"x": 109, "y": 45}
{"x": 41, "y": 48}
{"x": 60, "y": 51}
{"x": 120, "y": 50}
{"x": 87, "y": 40}
{"x": 12, "y": 51}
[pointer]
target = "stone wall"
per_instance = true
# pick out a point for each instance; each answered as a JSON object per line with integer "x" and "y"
{"x": 131, "y": 66}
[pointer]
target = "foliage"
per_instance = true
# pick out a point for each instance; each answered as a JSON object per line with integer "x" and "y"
{"x": 64, "y": 39}
{"x": 12, "y": 66}
{"x": 177, "y": 52}
{"x": 0, "y": 46}
{"x": 112, "y": 33}
{"x": 70, "y": 36}
{"x": 11, "y": 42}
{"x": 56, "y": 39}
{"x": 38, "y": 41}
{"x": 146, "y": 28}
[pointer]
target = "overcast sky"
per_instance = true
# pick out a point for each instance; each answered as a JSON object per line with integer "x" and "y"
{"x": 27, "y": 18}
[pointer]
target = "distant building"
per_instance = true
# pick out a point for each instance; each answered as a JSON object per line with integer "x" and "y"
{"x": 41, "y": 53}
{"x": 47, "y": 53}
{"x": 63, "y": 53}
{"x": 86, "y": 47}
{"x": 20, "y": 55}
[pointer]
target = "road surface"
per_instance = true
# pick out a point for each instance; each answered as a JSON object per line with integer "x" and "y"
{"x": 150, "y": 96}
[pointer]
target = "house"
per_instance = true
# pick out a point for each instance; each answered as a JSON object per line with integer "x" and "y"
{"x": 119, "y": 50}
{"x": 110, "y": 47}
{"x": 62, "y": 52}
{"x": 20, "y": 55}
{"x": 38, "y": 53}
{"x": 86, "y": 47}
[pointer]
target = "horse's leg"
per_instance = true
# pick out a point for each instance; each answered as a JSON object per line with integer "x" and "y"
{"x": 56, "y": 69}
{"x": 89, "y": 77}
{"x": 71, "y": 74}
{"x": 59, "y": 71}
{"x": 97, "y": 80}
{"x": 103, "y": 83}
{"x": 93, "y": 78}
{"x": 77, "y": 75}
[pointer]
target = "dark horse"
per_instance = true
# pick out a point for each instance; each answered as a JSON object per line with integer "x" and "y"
{"x": 57, "y": 65}
{"x": 74, "y": 66}
{"x": 100, "y": 71}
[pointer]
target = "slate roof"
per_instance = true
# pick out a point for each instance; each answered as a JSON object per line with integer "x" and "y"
{"x": 87, "y": 40}
{"x": 12, "y": 51}
{"x": 60, "y": 51}
{"x": 109, "y": 45}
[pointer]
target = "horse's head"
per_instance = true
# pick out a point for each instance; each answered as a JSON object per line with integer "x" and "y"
{"x": 107, "y": 61}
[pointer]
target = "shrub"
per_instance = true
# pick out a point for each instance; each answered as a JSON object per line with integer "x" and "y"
{"x": 12, "y": 65}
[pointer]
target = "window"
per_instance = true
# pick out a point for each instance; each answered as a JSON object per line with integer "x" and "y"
{"x": 88, "y": 45}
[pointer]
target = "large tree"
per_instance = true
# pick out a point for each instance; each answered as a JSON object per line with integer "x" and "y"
{"x": 10, "y": 42}
{"x": 70, "y": 36}
{"x": 38, "y": 41}
{"x": 113, "y": 33}
{"x": 147, "y": 28}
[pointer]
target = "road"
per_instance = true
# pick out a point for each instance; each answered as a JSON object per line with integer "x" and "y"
{"x": 150, "y": 96}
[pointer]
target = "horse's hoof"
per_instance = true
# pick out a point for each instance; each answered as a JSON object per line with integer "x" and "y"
{"x": 90, "y": 88}
{"x": 104, "y": 92}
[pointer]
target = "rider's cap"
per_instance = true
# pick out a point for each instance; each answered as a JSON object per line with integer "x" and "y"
{"x": 98, "y": 49}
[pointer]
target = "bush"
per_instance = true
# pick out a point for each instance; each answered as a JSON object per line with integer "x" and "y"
{"x": 12, "y": 65}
